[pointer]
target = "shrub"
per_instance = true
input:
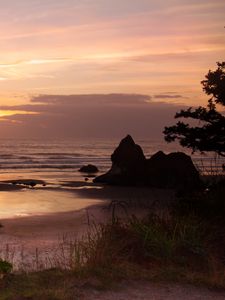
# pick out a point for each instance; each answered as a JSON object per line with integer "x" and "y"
{"x": 5, "y": 267}
{"x": 207, "y": 203}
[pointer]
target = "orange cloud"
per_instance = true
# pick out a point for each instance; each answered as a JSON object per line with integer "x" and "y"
{"x": 137, "y": 46}
{"x": 6, "y": 113}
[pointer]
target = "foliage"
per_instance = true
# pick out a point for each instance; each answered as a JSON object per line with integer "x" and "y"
{"x": 152, "y": 240}
{"x": 208, "y": 203}
{"x": 170, "y": 239}
{"x": 210, "y": 136}
{"x": 215, "y": 84}
{"x": 180, "y": 248}
{"x": 5, "y": 267}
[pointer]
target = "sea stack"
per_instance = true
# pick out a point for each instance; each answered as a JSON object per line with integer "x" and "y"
{"x": 174, "y": 170}
{"x": 128, "y": 163}
{"x": 130, "y": 167}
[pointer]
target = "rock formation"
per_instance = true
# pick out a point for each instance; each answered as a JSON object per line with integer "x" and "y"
{"x": 130, "y": 167}
{"x": 172, "y": 170}
{"x": 128, "y": 162}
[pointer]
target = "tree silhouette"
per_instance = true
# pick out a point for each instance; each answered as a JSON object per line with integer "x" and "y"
{"x": 210, "y": 134}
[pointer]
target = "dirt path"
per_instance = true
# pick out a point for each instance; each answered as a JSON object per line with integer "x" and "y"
{"x": 153, "y": 291}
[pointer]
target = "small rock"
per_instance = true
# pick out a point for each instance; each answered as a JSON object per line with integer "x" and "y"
{"x": 89, "y": 169}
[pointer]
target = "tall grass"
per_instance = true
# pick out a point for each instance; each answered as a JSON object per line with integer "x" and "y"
{"x": 186, "y": 244}
{"x": 132, "y": 240}
{"x": 208, "y": 203}
{"x": 173, "y": 248}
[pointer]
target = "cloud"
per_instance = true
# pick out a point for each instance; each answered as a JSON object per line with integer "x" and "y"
{"x": 109, "y": 115}
{"x": 168, "y": 96}
{"x": 47, "y": 61}
{"x": 35, "y": 62}
{"x": 101, "y": 46}
{"x": 6, "y": 113}
{"x": 93, "y": 99}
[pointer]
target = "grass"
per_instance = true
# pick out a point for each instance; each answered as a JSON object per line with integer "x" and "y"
{"x": 186, "y": 245}
{"x": 172, "y": 249}
{"x": 5, "y": 267}
{"x": 47, "y": 284}
{"x": 208, "y": 203}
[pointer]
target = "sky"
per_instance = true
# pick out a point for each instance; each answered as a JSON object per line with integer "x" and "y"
{"x": 87, "y": 67}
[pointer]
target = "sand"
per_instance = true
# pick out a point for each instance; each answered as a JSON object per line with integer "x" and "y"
{"x": 51, "y": 220}
{"x": 47, "y": 230}
{"x": 91, "y": 203}
{"x": 22, "y": 238}
{"x": 139, "y": 290}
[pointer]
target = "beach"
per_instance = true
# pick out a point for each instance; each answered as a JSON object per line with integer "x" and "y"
{"x": 41, "y": 240}
{"x": 55, "y": 218}
{"x": 40, "y": 218}
{"x": 44, "y": 198}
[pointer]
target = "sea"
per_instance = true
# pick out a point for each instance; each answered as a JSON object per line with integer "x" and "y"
{"x": 40, "y": 217}
{"x": 55, "y": 161}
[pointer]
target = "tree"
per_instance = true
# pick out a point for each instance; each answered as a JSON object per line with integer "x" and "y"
{"x": 209, "y": 135}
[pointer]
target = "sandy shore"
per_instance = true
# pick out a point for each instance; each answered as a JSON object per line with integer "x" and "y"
{"x": 22, "y": 239}
{"x": 48, "y": 226}
{"x": 45, "y": 230}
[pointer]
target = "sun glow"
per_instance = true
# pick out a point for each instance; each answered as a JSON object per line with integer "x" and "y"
{"x": 7, "y": 113}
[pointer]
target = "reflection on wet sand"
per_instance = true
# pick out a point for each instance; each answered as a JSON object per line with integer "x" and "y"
{"x": 28, "y": 202}
{"x": 39, "y": 218}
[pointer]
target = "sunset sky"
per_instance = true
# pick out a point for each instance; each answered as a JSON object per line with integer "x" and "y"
{"x": 158, "y": 50}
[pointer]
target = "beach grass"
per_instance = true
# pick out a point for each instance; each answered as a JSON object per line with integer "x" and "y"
{"x": 136, "y": 250}
{"x": 186, "y": 245}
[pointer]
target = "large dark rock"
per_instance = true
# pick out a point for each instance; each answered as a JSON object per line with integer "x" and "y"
{"x": 175, "y": 170}
{"x": 128, "y": 162}
{"x": 89, "y": 169}
{"x": 130, "y": 167}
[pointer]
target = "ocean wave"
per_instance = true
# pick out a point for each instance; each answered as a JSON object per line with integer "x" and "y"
{"x": 32, "y": 157}
{"x": 6, "y": 156}
{"x": 39, "y": 167}
{"x": 59, "y": 154}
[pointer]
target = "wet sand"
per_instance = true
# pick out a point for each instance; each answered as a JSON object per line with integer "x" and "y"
{"x": 48, "y": 228}
{"x": 66, "y": 211}
{"x": 44, "y": 211}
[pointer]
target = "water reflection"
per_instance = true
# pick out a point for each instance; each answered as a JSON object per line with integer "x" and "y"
{"x": 37, "y": 202}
